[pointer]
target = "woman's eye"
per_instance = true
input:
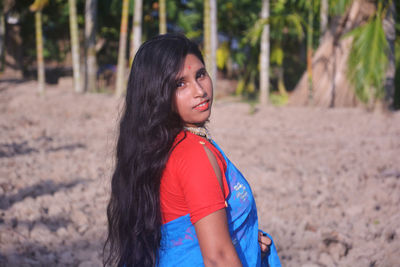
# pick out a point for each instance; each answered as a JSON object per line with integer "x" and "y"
{"x": 201, "y": 74}
{"x": 180, "y": 84}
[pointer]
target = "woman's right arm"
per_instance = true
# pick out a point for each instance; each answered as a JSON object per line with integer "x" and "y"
{"x": 215, "y": 241}
{"x": 213, "y": 233}
{"x": 200, "y": 178}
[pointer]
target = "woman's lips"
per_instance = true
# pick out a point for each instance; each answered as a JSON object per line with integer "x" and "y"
{"x": 203, "y": 105}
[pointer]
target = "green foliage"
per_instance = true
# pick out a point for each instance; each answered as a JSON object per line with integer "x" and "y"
{"x": 338, "y": 7}
{"x": 286, "y": 26}
{"x": 396, "y": 102}
{"x": 241, "y": 86}
{"x": 172, "y": 10}
{"x": 368, "y": 59}
{"x": 277, "y": 99}
{"x": 282, "y": 22}
{"x": 397, "y": 42}
{"x": 248, "y": 79}
{"x": 236, "y": 16}
{"x": 223, "y": 54}
{"x": 190, "y": 18}
{"x": 306, "y": 5}
{"x": 55, "y": 31}
{"x": 277, "y": 55}
{"x": 239, "y": 29}
{"x": 38, "y": 5}
{"x": 190, "y": 23}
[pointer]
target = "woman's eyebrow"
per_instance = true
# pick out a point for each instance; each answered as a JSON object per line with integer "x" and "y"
{"x": 202, "y": 69}
{"x": 179, "y": 79}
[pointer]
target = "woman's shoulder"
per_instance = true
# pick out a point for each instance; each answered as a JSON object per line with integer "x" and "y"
{"x": 187, "y": 143}
{"x": 188, "y": 149}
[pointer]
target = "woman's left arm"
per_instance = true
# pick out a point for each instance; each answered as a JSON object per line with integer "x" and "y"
{"x": 215, "y": 241}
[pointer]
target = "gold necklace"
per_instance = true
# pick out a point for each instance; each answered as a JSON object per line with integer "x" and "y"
{"x": 200, "y": 131}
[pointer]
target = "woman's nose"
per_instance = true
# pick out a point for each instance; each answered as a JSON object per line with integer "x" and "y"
{"x": 199, "y": 89}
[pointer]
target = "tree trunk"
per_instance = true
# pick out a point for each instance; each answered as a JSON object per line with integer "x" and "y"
{"x": 210, "y": 38}
{"x": 281, "y": 81}
{"x": 330, "y": 63}
{"x": 332, "y": 88}
{"x": 310, "y": 48}
{"x": 2, "y": 39}
{"x": 137, "y": 29}
{"x": 390, "y": 33}
{"x": 264, "y": 56}
{"x": 121, "y": 68}
{"x": 90, "y": 45}
{"x": 163, "y": 17}
{"x": 13, "y": 43}
{"x": 73, "y": 26}
{"x": 323, "y": 18}
{"x": 39, "y": 51}
{"x": 214, "y": 41}
{"x": 207, "y": 35}
{"x": 12, "y": 56}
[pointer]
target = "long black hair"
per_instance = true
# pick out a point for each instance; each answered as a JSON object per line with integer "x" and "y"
{"x": 147, "y": 131}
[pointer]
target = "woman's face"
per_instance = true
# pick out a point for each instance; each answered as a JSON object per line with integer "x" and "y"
{"x": 194, "y": 93}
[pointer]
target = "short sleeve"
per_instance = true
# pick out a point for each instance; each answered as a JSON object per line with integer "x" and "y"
{"x": 201, "y": 189}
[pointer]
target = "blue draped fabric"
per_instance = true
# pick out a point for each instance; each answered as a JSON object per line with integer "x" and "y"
{"x": 179, "y": 243}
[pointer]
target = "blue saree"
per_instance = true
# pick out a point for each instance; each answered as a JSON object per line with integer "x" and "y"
{"x": 179, "y": 244}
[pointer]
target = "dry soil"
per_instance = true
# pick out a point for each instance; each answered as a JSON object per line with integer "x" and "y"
{"x": 326, "y": 181}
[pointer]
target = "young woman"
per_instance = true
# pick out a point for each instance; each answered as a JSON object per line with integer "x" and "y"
{"x": 176, "y": 199}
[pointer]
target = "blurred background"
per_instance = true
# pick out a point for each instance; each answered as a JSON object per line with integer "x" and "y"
{"x": 307, "y": 94}
{"x": 262, "y": 50}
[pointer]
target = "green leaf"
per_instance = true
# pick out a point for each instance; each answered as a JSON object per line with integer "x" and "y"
{"x": 277, "y": 55}
{"x": 367, "y": 61}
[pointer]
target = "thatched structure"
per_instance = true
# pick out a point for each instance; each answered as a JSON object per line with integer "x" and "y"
{"x": 331, "y": 87}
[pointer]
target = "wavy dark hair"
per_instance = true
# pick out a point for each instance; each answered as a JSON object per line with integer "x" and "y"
{"x": 147, "y": 131}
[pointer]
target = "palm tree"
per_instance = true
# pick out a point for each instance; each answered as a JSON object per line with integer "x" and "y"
{"x": 73, "y": 27}
{"x": 280, "y": 21}
{"x": 207, "y": 34}
{"x": 210, "y": 38}
{"x": 370, "y": 54}
{"x": 90, "y": 45}
{"x": 323, "y": 18}
{"x": 214, "y": 40}
{"x": 264, "y": 55}
{"x": 120, "y": 86}
{"x": 37, "y": 7}
{"x": 136, "y": 29}
{"x": 350, "y": 70}
{"x": 163, "y": 17}
{"x": 310, "y": 7}
{"x": 2, "y": 38}
{"x": 310, "y": 22}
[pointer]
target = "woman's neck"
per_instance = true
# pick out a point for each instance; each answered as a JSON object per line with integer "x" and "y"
{"x": 200, "y": 131}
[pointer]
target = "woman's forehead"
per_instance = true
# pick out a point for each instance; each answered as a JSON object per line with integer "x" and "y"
{"x": 192, "y": 62}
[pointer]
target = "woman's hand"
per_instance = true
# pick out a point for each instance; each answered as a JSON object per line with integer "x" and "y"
{"x": 264, "y": 243}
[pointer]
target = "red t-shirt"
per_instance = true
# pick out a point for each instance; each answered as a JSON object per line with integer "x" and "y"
{"x": 189, "y": 184}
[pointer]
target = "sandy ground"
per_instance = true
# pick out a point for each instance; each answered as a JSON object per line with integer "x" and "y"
{"x": 327, "y": 182}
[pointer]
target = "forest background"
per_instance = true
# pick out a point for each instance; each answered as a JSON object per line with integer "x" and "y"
{"x": 306, "y": 100}
{"x": 263, "y": 46}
